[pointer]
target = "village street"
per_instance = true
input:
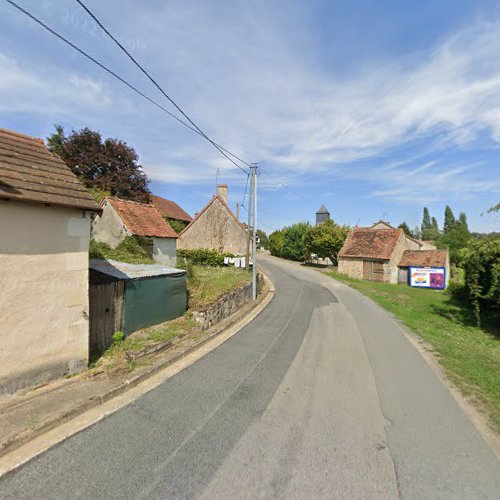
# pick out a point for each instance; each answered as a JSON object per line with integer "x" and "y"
{"x": 320, "y": 396}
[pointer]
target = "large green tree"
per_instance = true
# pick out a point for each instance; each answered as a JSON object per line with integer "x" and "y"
{"x": 263, "y": 239}
{"x": 326, "y": 240}
{"x": 108, "y": 165}
{"x": 449, "y": 219}
{"x": 428, "y": 231}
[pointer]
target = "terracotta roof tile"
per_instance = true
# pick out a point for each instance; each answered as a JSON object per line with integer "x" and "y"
{"x": 170, "y": 209}
{"x": 142, "y": 219}
{"x": 30, "y": 172}
{"x": 424, "y": 258}
{"x": 370, "y": 243}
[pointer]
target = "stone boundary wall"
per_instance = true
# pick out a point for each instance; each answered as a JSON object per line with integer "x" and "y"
{"x": 227, "y": 304}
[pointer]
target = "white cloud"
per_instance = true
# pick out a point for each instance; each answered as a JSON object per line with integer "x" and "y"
{"x": 247, "y": 75}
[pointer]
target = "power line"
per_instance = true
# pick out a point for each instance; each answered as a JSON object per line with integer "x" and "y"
{"x": 282, "y": 184}
{"x": 246, "y": 188}
{"x": 155, "y": 83}
{"x": 115, "y": 75}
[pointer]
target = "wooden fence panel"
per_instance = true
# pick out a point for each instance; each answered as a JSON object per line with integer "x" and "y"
{"x": 105, "y": 306}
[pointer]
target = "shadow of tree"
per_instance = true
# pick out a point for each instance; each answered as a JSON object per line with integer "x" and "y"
{"x": 458, "y": 310}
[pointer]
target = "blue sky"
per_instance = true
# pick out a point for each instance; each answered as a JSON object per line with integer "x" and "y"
{"x": 373, "y": 108}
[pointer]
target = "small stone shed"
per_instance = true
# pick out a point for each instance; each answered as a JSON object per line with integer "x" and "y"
{"x": 128, "y": 297}
{"x": 121, "y": 218}
{"x": 215, "y": 228}
{"x": 45, "y": 214}
{"x": 423, "y": 258}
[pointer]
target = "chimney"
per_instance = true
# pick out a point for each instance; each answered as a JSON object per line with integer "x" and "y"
{"x": 238, "y": 211}
{"x": 222, "y": 192}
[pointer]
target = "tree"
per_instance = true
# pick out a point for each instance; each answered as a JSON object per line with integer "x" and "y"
{"x": 495, "y": 208}
{"x": 456, "y": 238}
{"x": 326, "y": 240}
{"x": 262, "y": 238}
{"x": 405, "y": 228}
{"x": 449, "y": 220}
{"x": 427, "y": 232}
{"x": 276, "y": 241}
{"x": 293, "y": 244}
{"x": 416, "y": 232}
{"x": 109, "y": 166}
{"x": 462, "y": 219}
{"x": 481, "y": 264}
{"x": 434, "y": 231}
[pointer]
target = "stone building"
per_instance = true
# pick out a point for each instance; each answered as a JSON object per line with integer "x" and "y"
{"x": 322, "y": 215}
{"x": 122, "y": 218}
{"x": 216, "y": 228}
{"x": 375, "y": 253}
{"x": 45, "y": 215}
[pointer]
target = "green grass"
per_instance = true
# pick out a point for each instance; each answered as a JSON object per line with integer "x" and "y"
{"x": 209, "y": 283}
{"x": 469, "y": 355}
{"x": 129, "y": 250}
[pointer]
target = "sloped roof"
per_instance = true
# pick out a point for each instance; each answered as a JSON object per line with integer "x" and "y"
{"x": 170, "y": 209}
{"x": 383, "y": 222}
{"x": 370, "y": 243}
{"x": 30, "y": 172}
{"x": 226, "y": 206}
{"x": 125, "y": 271}
{"x": 323, "y": 210}
{"x": 424, "y": 258}
{"x": 142, "y": 219}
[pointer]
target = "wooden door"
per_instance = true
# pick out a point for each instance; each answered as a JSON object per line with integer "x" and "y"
{"x": 373, "y": 270}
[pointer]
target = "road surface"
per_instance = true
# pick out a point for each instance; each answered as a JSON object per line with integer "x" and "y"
{"x": 321, "y": 396}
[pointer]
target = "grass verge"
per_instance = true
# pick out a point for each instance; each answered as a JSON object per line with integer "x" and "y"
{"x": 207, "y": 284}
{"x": 469, "y": 355}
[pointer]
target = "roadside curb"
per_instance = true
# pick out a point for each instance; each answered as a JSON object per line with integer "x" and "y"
{"x": 11, "y": 454}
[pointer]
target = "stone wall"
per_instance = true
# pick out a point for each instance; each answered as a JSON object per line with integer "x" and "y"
{"x": 351, "y": 267}
{"x": 216, "y": 229}
{"x": 44, "y": 331}
{"x": 227, "y": 305}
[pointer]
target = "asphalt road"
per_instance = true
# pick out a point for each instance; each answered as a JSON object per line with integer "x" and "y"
{"x": 321, "y": 396}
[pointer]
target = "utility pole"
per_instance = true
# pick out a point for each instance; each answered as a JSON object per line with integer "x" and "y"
{"x": 249, "y": 210}
{"x": 254, "y": 185}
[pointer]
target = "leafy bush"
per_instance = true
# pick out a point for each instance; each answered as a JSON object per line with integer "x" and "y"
{"x": 129, "y": 250}
{"x": 177, "y": 225}
{"x": 481, "y": 263}
{"x": 288, "y": 243}
{"x": 203, "y": 257}
{"x": 326, "y": 240}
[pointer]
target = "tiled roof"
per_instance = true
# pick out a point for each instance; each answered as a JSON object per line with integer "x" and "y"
{"x": 424, "y": 258}
{"x": 370, "y": 243}
{"x": 142, "y": 219}
{"x": 170, "y": 209}
{"x": 30, "y": 172}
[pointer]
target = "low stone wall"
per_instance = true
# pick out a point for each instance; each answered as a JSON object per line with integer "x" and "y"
{"x": 227, "y": 304}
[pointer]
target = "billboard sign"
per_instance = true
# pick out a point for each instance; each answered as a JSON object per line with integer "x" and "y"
{"x": 427, "y": 277}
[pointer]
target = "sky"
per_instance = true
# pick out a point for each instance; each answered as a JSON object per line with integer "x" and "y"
{"x": 375, "y": 109}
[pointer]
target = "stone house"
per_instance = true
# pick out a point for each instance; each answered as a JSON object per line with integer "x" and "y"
{"x": 216, "y": 228}
{"x": 45, "y": 217}
{"x": 374, "y": 253}
{"x": 122, "y": 218}
{"x": 171, "y": 210}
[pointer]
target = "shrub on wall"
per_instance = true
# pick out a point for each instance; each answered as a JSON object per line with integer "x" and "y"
{"x": 203, "y": 256}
